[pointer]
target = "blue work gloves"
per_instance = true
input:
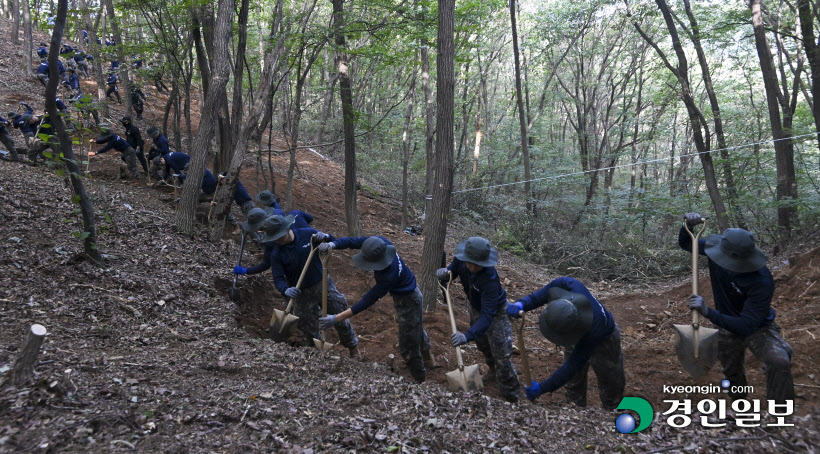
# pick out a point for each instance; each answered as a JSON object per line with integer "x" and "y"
{"x": 693, "y": 219}
{"x": 458, "y": 338}
{"x": 514, "y": 308}
{"x": 533, "y": 391}
{"x": 442, "y": 274}
{"x": 240, "y": 270}
{"x": 696, "y": 303}
{"x": 327, "y": 322}
{"x": 293, "y": 292}
{"x": 321, "y": 237}
{"x": 324, "y": 247}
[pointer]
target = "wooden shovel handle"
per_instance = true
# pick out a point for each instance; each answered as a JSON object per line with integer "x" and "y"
{"x": 452, "y": 316}
{"x": 524, "y": 359}
{"x": 211, "y": 210}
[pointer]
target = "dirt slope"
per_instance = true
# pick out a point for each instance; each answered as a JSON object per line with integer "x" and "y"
{"x": 151, "y": 354}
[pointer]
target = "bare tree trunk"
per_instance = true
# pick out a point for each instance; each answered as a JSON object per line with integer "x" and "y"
{"x": 331, "y": 79}
{"x": 23, "y": 370}
{"x": 783, "y": 146}
{"x": 15, "y": 22}
{"x": 28, "y": 41}
{"x": 124, "y": 60}
{"x": 696, "y": 118}
{"x": 406, "y": 139}
{"x": 63, "y": 141}
{"x": 731, "y": 188}
{"x": 251, "y": 129}
{"x": 186, "y": 214}
{"x": 429, "y": 150}
{"x": 436, "y": 226}
{"x": 522, "y": 117}
{"x": 807, "y": 19}
{"x": 354, "y": 227}
{"x": 93, "y": 48}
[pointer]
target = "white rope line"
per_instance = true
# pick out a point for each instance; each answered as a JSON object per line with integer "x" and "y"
{"x": 582, "y": 172}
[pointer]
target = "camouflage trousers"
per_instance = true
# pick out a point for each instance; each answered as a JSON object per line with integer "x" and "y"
{"x": 82, "y": 66}
{"x": 8, "y": 142}
{"x": 129, "y": 157}
{"x": 36, "y": 147}
{"x": 308, "y": 307}
{"x": 414, "y": 344}
{"x": 496, "y": 345}
{"x": 608, "y": 363}
{"x": 770, "y": 348}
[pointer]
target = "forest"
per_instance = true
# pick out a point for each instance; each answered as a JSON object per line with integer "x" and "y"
{"x": 572, "y": 135}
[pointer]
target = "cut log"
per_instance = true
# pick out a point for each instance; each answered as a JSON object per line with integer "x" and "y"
{"x": 24, "y": 366}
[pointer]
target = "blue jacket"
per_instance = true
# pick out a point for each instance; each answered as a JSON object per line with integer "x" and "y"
{"x": 175, "y": 161}
{"x": 743, "y": 300}
{"x": 484, "y": 293}
{"x": 240, "y": 195}
{"x": 208, "y": 182}
{"x": 42, "y": 52}
{"x": 397, "y": 279}
{"x": 79, "y": 56}
{"x": 603, "y": 325}
{"x": 73, "y": 82}
{"x": 65, "y": 48}
{"x": 288, "y": 260}
{"x": 43, "y": 68}
{"x": 301, "y": 221}
{"x": 60, "y": 104}
{"x": 162, "y": 146}
{"x": 112, "y": 141}
{"x": 115, "y": 64}
{"x": 112, "y": 79}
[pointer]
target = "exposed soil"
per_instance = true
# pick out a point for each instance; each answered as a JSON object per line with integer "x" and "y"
{"x": 151, "y": 354}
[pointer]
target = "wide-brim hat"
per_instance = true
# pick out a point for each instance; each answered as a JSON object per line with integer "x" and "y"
{"x": 375, "y": 254}
{"x": 276, "y": 227}
{"x": 477, "y": 250}
{"x": 566, "y": 320}
{"x": 735, "y": 250}
{"x": 266, "y": 198}
{"x": 255, "y": 219}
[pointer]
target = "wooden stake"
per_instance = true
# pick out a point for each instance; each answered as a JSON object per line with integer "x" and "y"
{"x": 24, "y": 366}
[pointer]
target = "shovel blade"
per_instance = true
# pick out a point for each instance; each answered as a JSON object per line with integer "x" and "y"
{"x": 281, "y": 323}
{"x": 468, "y": 380}
{"x": 707, "y": 342}
{"x": 322, "y": 345}
{"x": 234, "y": 292}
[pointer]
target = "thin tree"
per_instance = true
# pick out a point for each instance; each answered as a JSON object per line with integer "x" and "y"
{"x": 696, "y": 118}
{"x": 807, "y": 18}
{"x": 436, "y": 226}
{"x": 15, "y": 22}
{"x": 63, "y": 142}
{"x": 125, "y": 79}
{"x": 186, "y": 214}
{"x": 781, "y": 126}
{"x": 354, "y": 227}
{"x": 28, "y": 42}
{"x": 522, "y": 114}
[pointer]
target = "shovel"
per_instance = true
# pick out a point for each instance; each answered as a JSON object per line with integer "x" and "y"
{"x": 282, "y": 321}
{"x": 696, "y": 347}
{"x": 524, "y": 359}
{"x": 234, "y": 292}
{"x": 213, "y": 201}
{"x": 466, "y": 378}
{"x": 320, "y": 343}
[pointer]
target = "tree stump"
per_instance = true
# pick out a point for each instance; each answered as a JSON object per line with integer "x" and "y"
{"x": 24, "y": 366}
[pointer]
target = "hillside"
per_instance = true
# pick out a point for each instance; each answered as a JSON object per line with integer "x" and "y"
{"x": 151, "y": 354}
